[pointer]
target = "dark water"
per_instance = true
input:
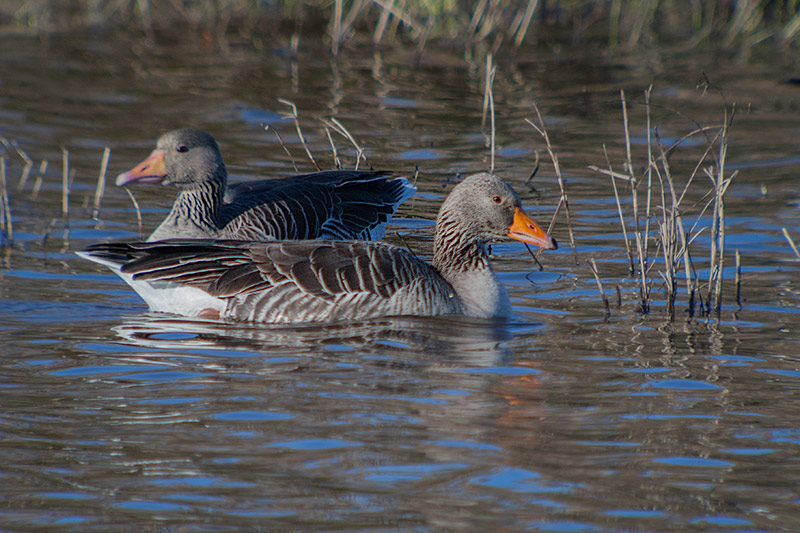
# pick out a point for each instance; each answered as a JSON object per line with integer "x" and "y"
{"x": 560, "y": 419}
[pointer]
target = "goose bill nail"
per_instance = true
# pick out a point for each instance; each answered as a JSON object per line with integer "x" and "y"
{"x": 526, "y": 230}
{"x": 151, "y": 170}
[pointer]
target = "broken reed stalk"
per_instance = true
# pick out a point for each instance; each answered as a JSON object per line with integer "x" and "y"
{"x": 738, "y": 280}
{"x": 37, "y": 186}
{"x": 336, "y": 161}
{"x": 283, "y": 145}
{"x": 674, "y": 241}
{"x": 26, "y": 172}
{"x": 593, "y": 268}
{"x": 294, "y": 116}
{"x": 675, "y": 245}
{"x": 101, "y": 183}
{"x": 488, "y": 105}
{"x": 791, "y": 242}
{"x": 614, "y": 176}
{"x": 12, "y": 145}
{"x": 564, "y": 200}
{"x": 65, "y": 185}
{"x": 651, "y": 166}
{"x": 341, "y": 130}
{"x": 641, "y": 247}
{"x": 692, "y": 280}
{"x": 720, "y": 185}
{"x": 136, "y": 206}
{"x": 6, "y": 224}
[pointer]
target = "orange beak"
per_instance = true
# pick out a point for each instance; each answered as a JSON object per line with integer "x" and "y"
{"x": 526, "y": 230}
{"x": 151, "y": 170}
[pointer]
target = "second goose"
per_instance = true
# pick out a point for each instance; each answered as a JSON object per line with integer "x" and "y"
{"x": 335, "y": 204}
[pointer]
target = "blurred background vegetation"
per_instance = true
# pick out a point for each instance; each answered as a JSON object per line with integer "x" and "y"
{"x": 737, "y": 26}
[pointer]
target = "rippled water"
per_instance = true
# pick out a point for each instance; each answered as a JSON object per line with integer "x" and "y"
{"x": 560, "y": 419}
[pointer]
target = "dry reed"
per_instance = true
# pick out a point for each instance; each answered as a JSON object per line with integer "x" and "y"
{"x": 65, "y": 182}
{"x": 136, "y": 206}
{"x": 593, "y": 268}
{"x": 519, "y": 28}
{"x": 488, "y": 106}
{"x": 673, "y": 240}
{"x": 6, "y": 224}
{"x": 564, "y": 199}
{"x": 791, "y": 242}
{"x": 738, "y": 280}
{"x": 735, "y": 26}
{"x": 37, "y": 183}
{"x": 101, "y": 183}
{"x": 294, "y": 116}
{"x": 12, "y": 145}
{"x": 267, "y": 127}
{"x": 339, "y": 128}
{"x": 336, "y": 161}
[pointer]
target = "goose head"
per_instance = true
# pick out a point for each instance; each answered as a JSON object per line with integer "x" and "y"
{"x": 188, "y": 159}
{"x": 483, "y": 208}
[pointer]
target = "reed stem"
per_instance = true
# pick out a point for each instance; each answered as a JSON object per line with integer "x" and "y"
{"x": 6, "y": 223}
{"x": 101, "y": 183}
{"x": 593, "y": 268}
{"x": 283, "y": 145}
{"x": 540, "y": 128}
{"x": 65, "y": 182}
{"x": 791, "y": 242}
{"x": 488, "y": 105}
{"x": 136, "y": 206}
{"x": 296, "y": 119}
{"x": 341, "y": 130}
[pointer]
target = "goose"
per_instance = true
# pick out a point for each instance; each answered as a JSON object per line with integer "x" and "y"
{"x": 323, "y": 281}
{"x": 335, "y": 204}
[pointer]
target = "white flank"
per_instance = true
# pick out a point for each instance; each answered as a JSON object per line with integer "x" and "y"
{"x": 165, "y": 296}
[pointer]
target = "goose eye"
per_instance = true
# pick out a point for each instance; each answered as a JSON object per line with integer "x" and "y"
{"x": 496, "y": 199}
{"x": 182, "y": 148}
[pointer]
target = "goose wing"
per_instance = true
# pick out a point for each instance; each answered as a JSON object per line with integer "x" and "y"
{"x": 338, "y": 204}
{"x": 289, "y": 281}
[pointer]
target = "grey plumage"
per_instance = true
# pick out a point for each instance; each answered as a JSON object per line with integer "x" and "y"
{"x": 296, "y": 281}
{"x": 336, "y": 204}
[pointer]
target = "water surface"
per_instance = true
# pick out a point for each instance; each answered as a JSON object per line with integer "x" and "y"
{"x": 560, "y": 419}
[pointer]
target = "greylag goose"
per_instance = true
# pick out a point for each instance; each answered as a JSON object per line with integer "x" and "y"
{"x": 336, "y": 204}
{"x": 311, "y": 281}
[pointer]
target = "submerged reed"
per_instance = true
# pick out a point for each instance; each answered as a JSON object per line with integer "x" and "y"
{"x": 668, "y": 212}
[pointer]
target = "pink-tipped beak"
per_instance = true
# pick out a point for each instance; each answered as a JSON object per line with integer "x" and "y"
{"x": 151, "y": 170}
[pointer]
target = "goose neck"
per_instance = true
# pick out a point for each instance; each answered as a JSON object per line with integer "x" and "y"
{"x": 203, "y": 200}
{"x": 456, "y": 249}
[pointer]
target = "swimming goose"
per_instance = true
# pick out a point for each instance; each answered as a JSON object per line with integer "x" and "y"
{"x": 309, "y": 281}
{"x": 336, "y": 204}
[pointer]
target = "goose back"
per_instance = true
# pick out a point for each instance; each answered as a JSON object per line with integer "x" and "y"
{"x": 338, "y": 204}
